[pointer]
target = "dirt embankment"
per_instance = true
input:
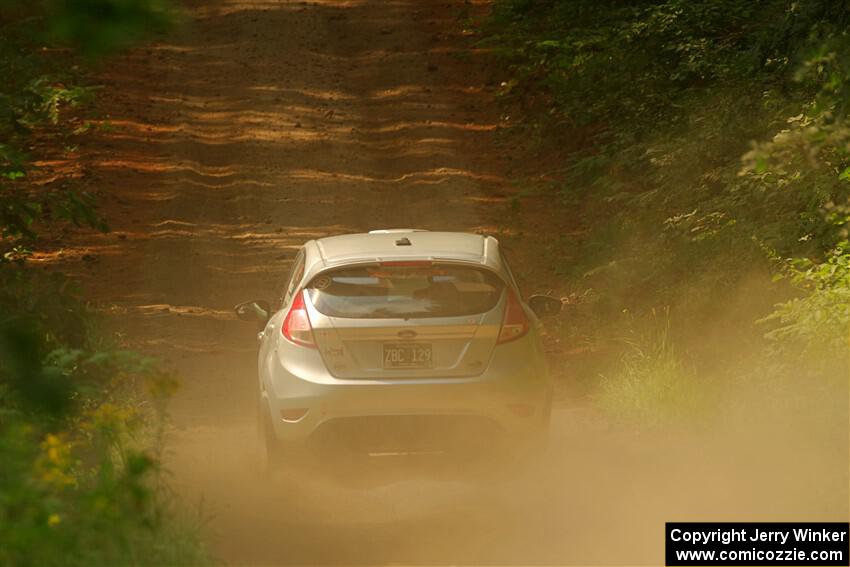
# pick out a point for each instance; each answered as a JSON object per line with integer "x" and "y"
{"x": 266, "y": 123}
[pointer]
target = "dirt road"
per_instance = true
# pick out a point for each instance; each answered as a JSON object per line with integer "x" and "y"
{"x": 263, "y": 124}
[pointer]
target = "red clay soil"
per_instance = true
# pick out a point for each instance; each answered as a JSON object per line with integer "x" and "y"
{"x": 261, "y": 125}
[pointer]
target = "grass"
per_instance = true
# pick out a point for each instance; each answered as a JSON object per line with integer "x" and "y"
{"x": 653, "y": 385}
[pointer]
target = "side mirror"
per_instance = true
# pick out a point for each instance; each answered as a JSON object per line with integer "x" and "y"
{"x": 257, "y": 311}
{"x": 544, "y": 305}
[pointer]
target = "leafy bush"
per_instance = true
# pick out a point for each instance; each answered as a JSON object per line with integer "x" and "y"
{"x": 708, "y": 145}
{"x": 79, "y": 421}
{"x": 667, "y": 96}
{"x": 818, "y": 321}
{"x": 80, "y": 425}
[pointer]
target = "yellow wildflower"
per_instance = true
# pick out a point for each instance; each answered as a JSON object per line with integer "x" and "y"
{"x": 55, "y": 463}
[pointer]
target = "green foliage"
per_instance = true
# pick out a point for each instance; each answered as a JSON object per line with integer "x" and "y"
{"x": 77, "y": 487}
{"x": 93, "y": 27}
{"x": 80, "y": 421}
{"x": 101, "y": 26}
{"x": 818, "y": 321}
{"x": 40, "y": 90}
{"x": 21, "y": 206}
{"x": 80, "y": 479}
{"x": 669, "y": 95}
{"x": 714, "y": 148}
{"x": 628, "y": 65}
{"x": 80, "y": 476}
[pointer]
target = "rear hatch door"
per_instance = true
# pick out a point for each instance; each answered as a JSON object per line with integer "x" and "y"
{"x": 406, "y": 319}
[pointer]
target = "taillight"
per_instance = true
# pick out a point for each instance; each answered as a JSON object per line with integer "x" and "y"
{"x": 296, "y": 325}
{"x": 515, "y": 323}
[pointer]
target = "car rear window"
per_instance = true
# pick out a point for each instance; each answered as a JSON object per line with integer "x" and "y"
{"x": 405, "y": 290}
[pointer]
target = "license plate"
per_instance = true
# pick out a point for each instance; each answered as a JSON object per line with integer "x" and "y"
{"x": 407, "y": 356}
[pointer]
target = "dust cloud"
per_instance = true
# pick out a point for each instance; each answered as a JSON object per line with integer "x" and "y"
{"x": 599, "y": 494}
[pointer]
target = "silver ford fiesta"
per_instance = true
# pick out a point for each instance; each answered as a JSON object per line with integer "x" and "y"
{"x": 401, "y": 342}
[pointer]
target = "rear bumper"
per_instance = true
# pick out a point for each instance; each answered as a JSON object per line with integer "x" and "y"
{"x": 510, "y": 400}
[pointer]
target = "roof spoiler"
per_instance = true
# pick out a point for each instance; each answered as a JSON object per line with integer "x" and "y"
{"x": 396, "y": 230}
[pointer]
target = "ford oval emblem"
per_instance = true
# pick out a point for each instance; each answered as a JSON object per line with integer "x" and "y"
{"x": 407, "y": 334}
